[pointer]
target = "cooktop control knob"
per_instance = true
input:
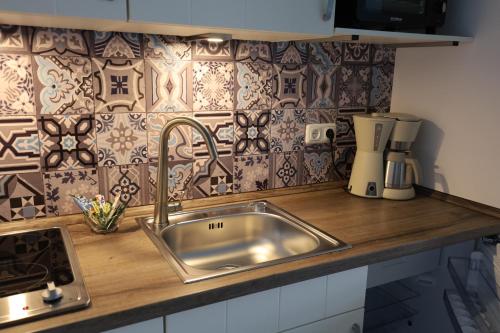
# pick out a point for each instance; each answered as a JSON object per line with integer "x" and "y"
{"x": 52, "y": 293}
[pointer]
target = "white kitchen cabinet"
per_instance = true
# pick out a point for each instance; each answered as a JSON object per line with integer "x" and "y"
{"x": 93, "y": 9}
{"x": 218, "y": 13}
{"x": 148, "y": 326}
{"x": 302, "y": 302}
{"x": 350, "y": 322}
{"x": 346, "y": 291}
{"x": 160, "y": 11}
{"x": 29, "y": 6}
{"x": 205, "y": 319}
{"x": 254, "y": 313}
{"x": 294, "y": 16}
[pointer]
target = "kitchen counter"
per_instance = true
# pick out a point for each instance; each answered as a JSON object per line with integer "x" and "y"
{"x": 129, "y": 281}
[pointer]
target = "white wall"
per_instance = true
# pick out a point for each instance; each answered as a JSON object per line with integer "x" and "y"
{"x": 457, "y": 91}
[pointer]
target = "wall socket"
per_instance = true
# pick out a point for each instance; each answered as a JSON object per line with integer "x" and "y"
{"x": 316, "y": 133}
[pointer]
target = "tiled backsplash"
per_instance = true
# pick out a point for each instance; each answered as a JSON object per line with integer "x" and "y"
{"x": 81, "y": 112}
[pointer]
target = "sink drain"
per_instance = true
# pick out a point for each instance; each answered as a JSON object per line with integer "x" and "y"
{"x": 228, "y": 266}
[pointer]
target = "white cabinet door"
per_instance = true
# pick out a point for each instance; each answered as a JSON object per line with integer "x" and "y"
{"x": 302, "y": 302}
{"x": 350, "y": 322}
{"x": 29, "y": 6}
{"x": 161, "y": 11}
{"x": 346, "y": 291}
{"x": 254, "y": 313}
{"x": 206, "y": 319}
{"x": 98, "y": 9}
{"x": 218, "y": 13}
{"x": 295, "y": 16}
{"x": 149, "y": 326}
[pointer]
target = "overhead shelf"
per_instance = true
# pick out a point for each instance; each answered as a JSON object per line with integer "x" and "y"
{"x": 397, "y": 39}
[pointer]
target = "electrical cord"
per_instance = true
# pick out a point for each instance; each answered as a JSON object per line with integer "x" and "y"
{"x": 331, "y": 136}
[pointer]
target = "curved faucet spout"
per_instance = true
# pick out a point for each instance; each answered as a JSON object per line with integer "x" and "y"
{"x": 161, "y": 204}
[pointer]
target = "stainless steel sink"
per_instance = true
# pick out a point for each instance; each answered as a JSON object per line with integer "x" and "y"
{"x": 217, "y": 241}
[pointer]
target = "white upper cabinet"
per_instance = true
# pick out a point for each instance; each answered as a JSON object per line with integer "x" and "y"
{"x": 160, "y": 11}
{"x": 292, "y": 16}
{"x": 218, "y": 13}
{"x": 29, "y": 6}
{"x": 93, "y": 9}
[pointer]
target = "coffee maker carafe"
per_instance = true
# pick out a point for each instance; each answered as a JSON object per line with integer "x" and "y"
{"x": 401, "y": 169}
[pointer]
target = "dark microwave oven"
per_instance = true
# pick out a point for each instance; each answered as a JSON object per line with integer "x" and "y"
{"x": 392, "y": 15}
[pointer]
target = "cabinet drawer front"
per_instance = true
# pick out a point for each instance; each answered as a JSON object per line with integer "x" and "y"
{"x": 350, "y": 322}
{"x": 149, "y": 326}
{"x": 254, "y": 313}
{"x": 302, "y": 303}
{"x": 29, "y": 6}
{"x": 404, "y": 267}
{"x": 207, "y": 319}
{"x": 346, "y": 291}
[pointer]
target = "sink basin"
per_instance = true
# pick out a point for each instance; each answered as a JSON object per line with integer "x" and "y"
{"x": 217, "y": 241}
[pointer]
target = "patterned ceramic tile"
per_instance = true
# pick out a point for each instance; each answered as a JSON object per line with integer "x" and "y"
{"x": 253, "y": 51}
{"x": 379, "y": 109}
{"x": 326, "y": 53}
{"x": 117, "y": 44}
{"x": 63, "y": 85}
{"x": 122, "y": 138}
{"x": 19, "y": 145}
{"x": 168, "y": 48}
{"x": 381, "y": 89}
{"x": 213, "y": 86}
{"x": 291, "y": 52}
{"x": 287, "y": 130}
{"x": 212, "y": 178}
{"x": 289, "y": 86}
{"x": 118, "y": 85}
{"x": 253, "y": 86}
{"x": 180, "y": 180}
{"x": 169, "y": 86}
{"x": 356, "y": 53}
{"x": 344, "y": 158}
{"x": 220, "y": 126}
{"x": 67, "y": 142}
{"x": 131, "y": 182}
{"x": 251, "y": 132}
{"x": 251, "y": 173}
{"x": 286, "y": 169}
{"x": 179, "y": 142}
{"x": 320, "y": 116}
{"x": 21, "y": 197}
{"x": 345, "y": 124}
{"x": 321, "y": 86}
{"x": 205, "y": 50}
{"x": 55, "y": 41}
{"x": 16, "y": 90}
{"x": 317, "y": 166}
{"x": 354, "y": 86}
{"x": 59, "y": 185}
{"x": 383, "y": 55}
{"x": 14, "y": 39}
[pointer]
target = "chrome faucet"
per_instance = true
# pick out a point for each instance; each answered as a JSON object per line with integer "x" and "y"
{"x": 162, "y": 206}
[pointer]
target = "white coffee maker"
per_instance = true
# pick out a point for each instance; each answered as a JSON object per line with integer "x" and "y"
{"x": 367, "y": 176}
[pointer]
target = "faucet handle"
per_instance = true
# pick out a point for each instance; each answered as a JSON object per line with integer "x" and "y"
{"x": 176, "y": 205}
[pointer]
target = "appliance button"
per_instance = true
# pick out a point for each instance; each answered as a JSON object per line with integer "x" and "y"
{"x": 52, "y": 293}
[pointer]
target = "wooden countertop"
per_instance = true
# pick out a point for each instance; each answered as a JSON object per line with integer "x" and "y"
{"x": 129, "y": 281}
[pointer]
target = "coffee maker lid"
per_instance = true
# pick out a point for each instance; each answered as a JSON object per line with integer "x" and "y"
{"x": 400, "y": 116}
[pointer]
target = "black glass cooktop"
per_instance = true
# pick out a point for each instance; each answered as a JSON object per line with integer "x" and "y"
{"x": 31, "y": 259}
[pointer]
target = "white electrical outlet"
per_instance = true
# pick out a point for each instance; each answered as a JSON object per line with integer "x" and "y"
{"x": 316, "y": 133}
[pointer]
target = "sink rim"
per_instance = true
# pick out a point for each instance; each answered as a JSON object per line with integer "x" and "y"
{"x": 189, "y": 274}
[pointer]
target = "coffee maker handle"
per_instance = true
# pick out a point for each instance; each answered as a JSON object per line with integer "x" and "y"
{"x": 417, "y": 169}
